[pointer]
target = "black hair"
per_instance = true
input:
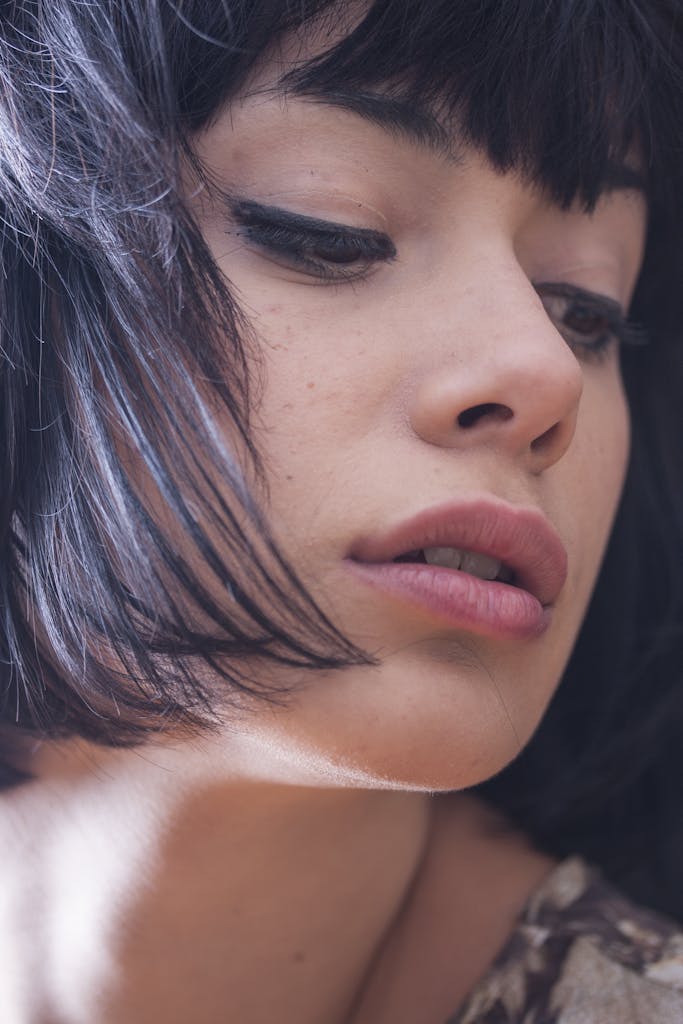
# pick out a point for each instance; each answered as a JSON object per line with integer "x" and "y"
{"x": 119, "y": 339}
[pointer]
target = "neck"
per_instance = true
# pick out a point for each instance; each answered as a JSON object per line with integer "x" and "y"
{"x": 206, "y": 894}
{"x": 196, "y": 891}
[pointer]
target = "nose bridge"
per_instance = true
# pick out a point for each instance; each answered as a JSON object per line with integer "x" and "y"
{"x": 500, "y": 373}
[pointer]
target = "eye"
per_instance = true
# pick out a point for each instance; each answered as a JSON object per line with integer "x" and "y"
{"x": 339, "y": 249}
{"x": 590, "y": 323}
{"x": 319, "y": 248}
{"x": 586, "y": 322}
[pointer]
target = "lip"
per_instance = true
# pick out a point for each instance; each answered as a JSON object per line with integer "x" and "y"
{"x": 521, "y": 538}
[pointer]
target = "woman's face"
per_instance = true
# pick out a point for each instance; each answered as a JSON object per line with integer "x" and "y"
{"x": 439, "y": 350}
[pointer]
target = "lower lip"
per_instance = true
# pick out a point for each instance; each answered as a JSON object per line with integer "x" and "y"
{"x": 463, "y": 602}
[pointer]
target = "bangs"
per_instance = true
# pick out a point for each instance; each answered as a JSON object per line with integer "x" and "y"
{"x": 115, "y": 316}
{"x": 560, "y": 91}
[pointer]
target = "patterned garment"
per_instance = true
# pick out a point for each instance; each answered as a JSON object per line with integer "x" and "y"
{"x": 582, "y": 954}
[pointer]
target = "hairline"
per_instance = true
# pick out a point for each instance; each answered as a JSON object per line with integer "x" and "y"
{"x": 417, "y": 124}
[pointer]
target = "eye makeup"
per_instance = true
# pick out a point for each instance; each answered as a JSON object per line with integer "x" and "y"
{"x": 589, "y": 322}
{"x": 322, "y": 248}
{"x": 335, "y": 253}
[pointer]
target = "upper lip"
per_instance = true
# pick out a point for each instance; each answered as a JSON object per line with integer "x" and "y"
{"x": 521, "y": 538}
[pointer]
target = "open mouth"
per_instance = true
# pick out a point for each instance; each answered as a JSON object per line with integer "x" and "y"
{"x": 479, "y": 564}
{"x": 484, "y": 567}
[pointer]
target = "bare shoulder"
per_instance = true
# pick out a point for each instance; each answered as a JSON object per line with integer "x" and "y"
{"x": 475, "y": 880}
{"x": 74, "y": 844}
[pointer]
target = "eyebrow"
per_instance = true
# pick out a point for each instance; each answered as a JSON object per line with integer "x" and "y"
{"x": 406, "y": 119}
{"x": 397, "y": 116}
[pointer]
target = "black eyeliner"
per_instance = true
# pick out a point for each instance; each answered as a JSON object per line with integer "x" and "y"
{"x": 626, "y": 332}
{"x": 251, "y": 214}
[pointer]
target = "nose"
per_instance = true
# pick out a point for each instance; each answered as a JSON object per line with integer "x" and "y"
{"x": 504, "y": 377}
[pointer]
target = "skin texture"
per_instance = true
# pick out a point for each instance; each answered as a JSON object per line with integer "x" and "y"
{"x": 364, "y": 384}
{"x": 302, "y": 846}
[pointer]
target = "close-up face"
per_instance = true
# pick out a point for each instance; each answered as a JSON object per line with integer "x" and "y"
{"x": 439, "y": 346}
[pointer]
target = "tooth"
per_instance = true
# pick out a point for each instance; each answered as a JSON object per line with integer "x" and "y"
{"x": 447, "y": 558}
{"x": 484, "y": 566}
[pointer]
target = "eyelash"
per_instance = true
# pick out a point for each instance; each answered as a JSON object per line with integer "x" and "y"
{"x": 607, "y": 320}
{"x": 335, "y": 253}
{"x": 299, "y": 241}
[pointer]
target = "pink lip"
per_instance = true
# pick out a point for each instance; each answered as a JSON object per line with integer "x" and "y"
{"x": 521, "y": 538}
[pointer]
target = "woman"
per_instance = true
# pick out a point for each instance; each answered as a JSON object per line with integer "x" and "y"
{"x": 314, "y": 435}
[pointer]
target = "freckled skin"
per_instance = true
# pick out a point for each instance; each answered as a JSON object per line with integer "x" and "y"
{"x": 301, "y": 845}
{"x": 359, "y": 418}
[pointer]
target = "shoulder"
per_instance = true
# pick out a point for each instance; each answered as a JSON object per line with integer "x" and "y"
{"x": 581, "y": 951}
{"x": 578, "y": 952}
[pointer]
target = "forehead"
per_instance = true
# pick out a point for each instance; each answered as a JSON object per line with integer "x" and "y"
{"x": 425, "y": 123}
{"x": 438, "y": 83}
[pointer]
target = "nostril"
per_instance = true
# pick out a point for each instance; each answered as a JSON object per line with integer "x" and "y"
{"x": 487, "y": 410}
{"x": 546, "y": 439}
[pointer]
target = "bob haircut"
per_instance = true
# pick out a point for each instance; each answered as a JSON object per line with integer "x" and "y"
{"x": 120, "y": 341}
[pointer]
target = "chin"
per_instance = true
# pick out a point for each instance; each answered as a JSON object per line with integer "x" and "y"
{"x": 444, "y": 766}
{"x": 406, "y": 725}
{"x": 413, "y": 754}
{"x": 451, "y": 730}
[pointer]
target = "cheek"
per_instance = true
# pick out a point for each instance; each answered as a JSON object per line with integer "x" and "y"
{"x": 325, "y": 389}
{"x": 598, "y": 469}
{"x": 608, "y": 425}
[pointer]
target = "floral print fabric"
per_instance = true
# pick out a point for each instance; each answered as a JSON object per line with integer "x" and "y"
{"x": 582, "y": 954}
